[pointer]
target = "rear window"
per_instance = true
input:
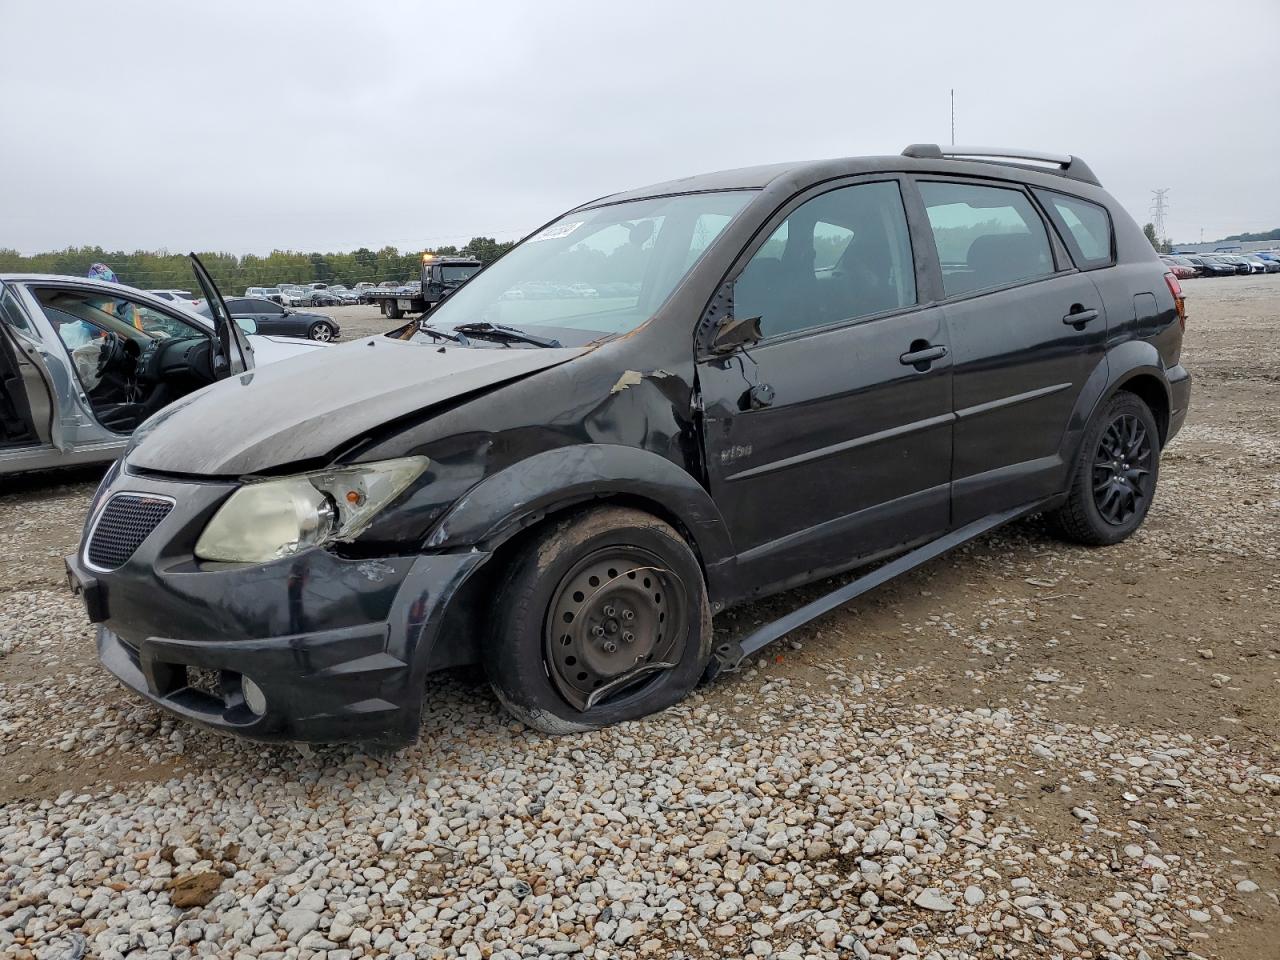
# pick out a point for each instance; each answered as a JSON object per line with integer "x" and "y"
{"x": 1085, "y": 228}
{"x": 986, "y": 237}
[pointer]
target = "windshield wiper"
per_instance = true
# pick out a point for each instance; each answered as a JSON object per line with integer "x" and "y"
{"x": 436, "y": 332}
{"x": 496, "y": 331}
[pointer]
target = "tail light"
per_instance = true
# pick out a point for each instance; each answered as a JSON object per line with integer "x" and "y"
{"x": 1179, "y": 299}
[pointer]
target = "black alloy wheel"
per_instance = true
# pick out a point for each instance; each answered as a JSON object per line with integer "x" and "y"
{"x": 1122, "y": 475}
{"x": 1114, "y": 478}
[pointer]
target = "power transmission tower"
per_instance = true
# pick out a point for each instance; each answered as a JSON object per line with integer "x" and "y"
{"x": 1158, "y": 211}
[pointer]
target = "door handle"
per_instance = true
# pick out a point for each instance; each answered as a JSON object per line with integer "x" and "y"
{"x": 1079, "y": 316}
{"x": 921, "y": 355}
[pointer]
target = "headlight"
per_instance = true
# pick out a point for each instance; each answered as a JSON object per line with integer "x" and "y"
{"x": 269, "y": 519}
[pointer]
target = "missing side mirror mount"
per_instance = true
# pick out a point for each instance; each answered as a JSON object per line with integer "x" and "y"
{"x": 735, "y": 333}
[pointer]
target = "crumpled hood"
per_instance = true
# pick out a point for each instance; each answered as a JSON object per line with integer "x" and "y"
{"x": 312, "y": 404}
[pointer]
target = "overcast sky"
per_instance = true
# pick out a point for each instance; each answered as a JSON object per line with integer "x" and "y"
{"x": 328, "y": 125}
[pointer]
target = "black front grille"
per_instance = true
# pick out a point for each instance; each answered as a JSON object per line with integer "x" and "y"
{"x": 124, "y": 524}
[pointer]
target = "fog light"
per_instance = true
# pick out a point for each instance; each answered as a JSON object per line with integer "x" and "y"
{"x": 254, "y": 698}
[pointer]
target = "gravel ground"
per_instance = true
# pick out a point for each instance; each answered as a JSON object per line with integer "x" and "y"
{"x": 1023, "y": 749}
{"x": 359, "y": 321}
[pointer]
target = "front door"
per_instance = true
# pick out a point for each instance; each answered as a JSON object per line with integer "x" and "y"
{"x": 27, "y": 406}
{"x": 232, "y": 352}
{"x": 1027, "y": 332}
{"x": 830, "y": 440}
{"x": 268, "y": 317}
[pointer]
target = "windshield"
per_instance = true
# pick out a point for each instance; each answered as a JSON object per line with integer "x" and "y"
{"x": 457, "y": 274}
{"x": 594, "y": 272}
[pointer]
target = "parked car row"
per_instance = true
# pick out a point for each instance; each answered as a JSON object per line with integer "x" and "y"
{"x": 1187, "y": 265}
{"x": 317, "y": 294}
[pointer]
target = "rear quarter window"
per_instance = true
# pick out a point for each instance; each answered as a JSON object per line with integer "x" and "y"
{"x": 1085, "y": 228}
{"x": 12, "y": 315}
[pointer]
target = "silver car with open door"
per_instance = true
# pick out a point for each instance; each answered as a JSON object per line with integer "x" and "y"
{"x": 84, "y": 362}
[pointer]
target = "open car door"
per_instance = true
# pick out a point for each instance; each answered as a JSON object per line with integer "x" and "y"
{"x": 28, "y": 408}
{"x": 232, "y": 352}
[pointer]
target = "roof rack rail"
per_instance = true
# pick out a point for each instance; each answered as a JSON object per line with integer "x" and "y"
{"x": 1067, "y": 165}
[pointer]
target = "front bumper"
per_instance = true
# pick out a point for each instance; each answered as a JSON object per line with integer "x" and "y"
{"x": 340, "y": 648}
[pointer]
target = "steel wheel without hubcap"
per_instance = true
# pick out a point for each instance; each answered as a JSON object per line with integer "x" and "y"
{"x": 1122, "y": 470}
{"x": 617, "y": 620}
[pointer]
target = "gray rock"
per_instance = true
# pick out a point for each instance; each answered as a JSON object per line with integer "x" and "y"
{"x": 298, "y": 922}
{"x": 933, "y": 899}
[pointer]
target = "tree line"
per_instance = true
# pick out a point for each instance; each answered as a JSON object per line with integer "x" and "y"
{"x": 159, "y": 270}
{"x": 1268, "y": 235}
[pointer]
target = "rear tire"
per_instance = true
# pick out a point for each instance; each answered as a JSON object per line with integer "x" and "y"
{"x": 590, "y": 604}
{"x": 391, "y": 309}
{"x": 1115, "y": 475}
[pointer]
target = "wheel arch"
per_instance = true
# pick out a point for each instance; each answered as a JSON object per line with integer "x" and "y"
{"x": 550, "y": 483}
{"x": 1153, "y": 390}
{"x": 545, "y": 489}
{"x": 1135, "y": 366}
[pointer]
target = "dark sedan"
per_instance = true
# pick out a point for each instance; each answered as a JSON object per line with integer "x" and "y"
{"x": 1213, "y": 267}
{"x": 272, "y": 318}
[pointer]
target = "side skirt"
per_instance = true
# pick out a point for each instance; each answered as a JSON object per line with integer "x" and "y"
{"x": 727, "y": 657}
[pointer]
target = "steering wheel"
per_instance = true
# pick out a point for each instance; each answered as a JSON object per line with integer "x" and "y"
{"x": 111, "y": 354}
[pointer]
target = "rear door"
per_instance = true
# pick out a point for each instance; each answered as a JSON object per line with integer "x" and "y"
{"x": 830, "y": 440}
{"x": 232, "y": 352}
{"x": 1027, "y": 331}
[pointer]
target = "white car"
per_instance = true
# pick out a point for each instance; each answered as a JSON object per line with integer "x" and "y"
{"x": 178, "y": 296}
{"x": 292, "y": 295}
{"x": 84, "y": 362}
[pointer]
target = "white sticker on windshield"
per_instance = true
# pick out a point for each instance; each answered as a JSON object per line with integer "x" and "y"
{"x": 556, "y": 231}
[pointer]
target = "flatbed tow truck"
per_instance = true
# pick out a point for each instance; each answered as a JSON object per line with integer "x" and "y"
{"x": 440, "y": 277}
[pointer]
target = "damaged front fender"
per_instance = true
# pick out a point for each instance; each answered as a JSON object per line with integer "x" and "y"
{"x": 523, "y": 493}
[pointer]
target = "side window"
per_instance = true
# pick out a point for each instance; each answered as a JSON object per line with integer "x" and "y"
{"x": 267, "y": 306}
{"x": 14, "y": 317}
{"x": 1085, "y": 228}
{"x": 239, "y": 305}
{"x": 81, "y": 316}
{"x": 842, "y": 255}
{"x": 985, "y": 236}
